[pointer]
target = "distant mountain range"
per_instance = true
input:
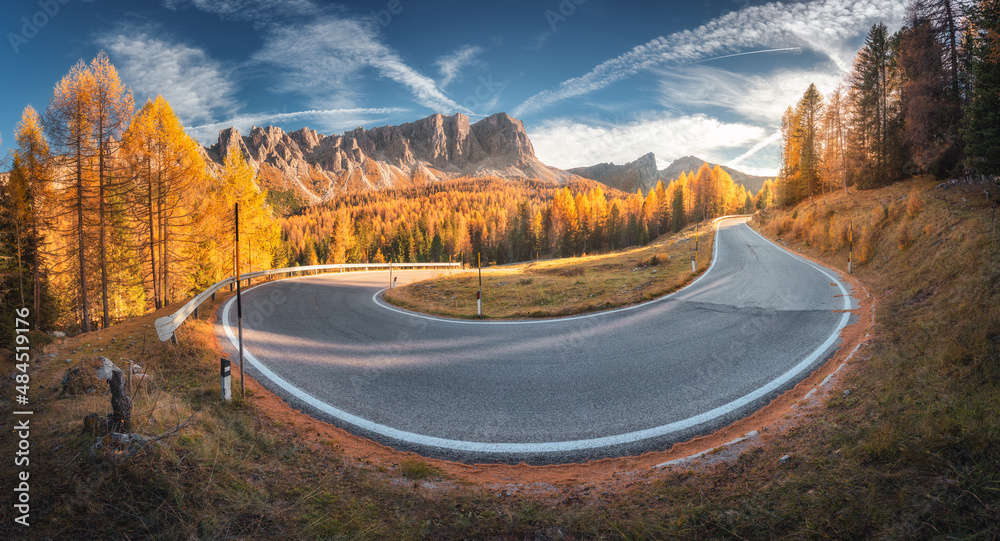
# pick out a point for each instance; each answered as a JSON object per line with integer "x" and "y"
{"x": 317, "y": 167}
{"x": 687, "y": 164}
{"x": 642, "y": 173}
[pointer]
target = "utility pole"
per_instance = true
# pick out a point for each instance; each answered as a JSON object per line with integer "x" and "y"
{"x": 239, "y": 302}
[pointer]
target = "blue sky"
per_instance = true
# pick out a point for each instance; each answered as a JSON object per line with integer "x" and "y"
{"x": 593, "y": 80}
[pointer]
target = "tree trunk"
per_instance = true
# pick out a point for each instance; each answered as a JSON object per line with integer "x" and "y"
{"x": 85, "y": 316}
{"x": 152, "y": 244}
{"x": 952, "y": 46}
{"x": 102, "y": 231}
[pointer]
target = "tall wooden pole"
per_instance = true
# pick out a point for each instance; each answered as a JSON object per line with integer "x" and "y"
{"x": 239, "y": 301}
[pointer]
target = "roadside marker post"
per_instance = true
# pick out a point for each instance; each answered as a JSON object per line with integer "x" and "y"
{"x": 850, "y": 248}
{"x": 694, "y": 257}
{"x": 227, "y": 385}
{"x": 479, "y": 294}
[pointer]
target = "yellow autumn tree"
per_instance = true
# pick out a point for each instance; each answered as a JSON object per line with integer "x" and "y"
{"x": 260, "y": 233}
{"x": 169, "y": 187}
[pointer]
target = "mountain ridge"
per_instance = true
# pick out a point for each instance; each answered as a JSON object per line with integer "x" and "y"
{"x": 642, "y": 173}
{"x": 318, "y": 167}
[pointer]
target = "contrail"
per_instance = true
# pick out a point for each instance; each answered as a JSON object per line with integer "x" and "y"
{"x": 744, "y": 53}
{"x": 770, "y": 139}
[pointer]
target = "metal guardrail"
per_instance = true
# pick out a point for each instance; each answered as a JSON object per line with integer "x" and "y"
{"x": 731, "y": 216}
{"x": 166, "y": 325}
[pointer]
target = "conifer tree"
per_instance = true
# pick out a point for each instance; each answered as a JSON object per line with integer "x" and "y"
{"x": 30, "y": 186}
{"x": 111, "y": 110}
{"x": 69, "y": 124}
{"x": 982, "y": 115}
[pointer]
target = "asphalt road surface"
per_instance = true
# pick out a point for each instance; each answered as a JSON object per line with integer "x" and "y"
{"x": 611, "y": 383}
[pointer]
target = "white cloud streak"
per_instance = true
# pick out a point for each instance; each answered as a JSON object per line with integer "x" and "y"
{"x": 770, "y": 140}
{"x": 260, "y": 12}
{"x": 326, "y": 58}
{"x": 321, "y": 53}
{"x": 822, "y": 26}
{"x": 450, "y": 65}
{"x": 197, "y": 87}
{"x": 330, "y": 121}
{"x": 566, "y": 143}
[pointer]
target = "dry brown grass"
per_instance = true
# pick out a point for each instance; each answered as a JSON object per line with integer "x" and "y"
{"x": 565, "y": 286}
{"x": 914, "y": 431}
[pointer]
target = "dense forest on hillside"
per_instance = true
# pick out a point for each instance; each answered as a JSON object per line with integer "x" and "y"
{"x": 925, "y": 100}
{"x": 502, "y": 220}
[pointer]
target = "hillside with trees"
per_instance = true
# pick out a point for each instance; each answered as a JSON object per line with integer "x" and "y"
{"x": 922, "y": 101}
{"x": 504, "y": 221}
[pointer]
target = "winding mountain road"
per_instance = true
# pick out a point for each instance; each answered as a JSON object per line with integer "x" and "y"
{"x": 544, "y": 391}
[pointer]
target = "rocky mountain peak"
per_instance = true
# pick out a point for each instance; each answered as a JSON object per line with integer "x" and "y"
{"x": 318, "y": 166}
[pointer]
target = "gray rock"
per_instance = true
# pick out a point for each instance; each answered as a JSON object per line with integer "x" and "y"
{"x": 117, "y": 446}
{"x": 318, "y": 167}
{"x": 107, "y": 367}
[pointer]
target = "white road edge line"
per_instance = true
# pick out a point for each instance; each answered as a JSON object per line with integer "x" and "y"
{"x": 376, "y": 298}
{"x": 556, "y": 446}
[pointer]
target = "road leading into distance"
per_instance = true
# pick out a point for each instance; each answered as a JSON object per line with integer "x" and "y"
{"x": 544, "y": 391}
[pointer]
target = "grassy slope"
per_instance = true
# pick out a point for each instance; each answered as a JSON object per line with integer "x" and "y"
{"x": 910, "y": 452}
{"x": 566, "y": 286}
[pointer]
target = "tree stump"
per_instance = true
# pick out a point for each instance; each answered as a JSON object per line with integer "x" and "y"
{"x": 121, "y": 404}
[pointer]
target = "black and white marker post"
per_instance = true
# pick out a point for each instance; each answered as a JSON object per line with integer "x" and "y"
{"x": 850, "y": 248}
{"x": 694, "y": 258}
{"x": 479, "y": 294}
{"x": 239, "y": 301}
{"x": 227, "y": 384}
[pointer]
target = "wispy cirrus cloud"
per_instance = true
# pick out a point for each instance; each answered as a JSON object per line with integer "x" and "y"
{"x": 198, "y": 87}
{"x": 823, "y": 26}
{"x": 567, "y": 143}
{"x": 260, "y": 12}
{"x": 450, "y": 65}
{"x": 323, "y": 53}
{"x": 329, "y": 121}
{"x": 326, "y": 58}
